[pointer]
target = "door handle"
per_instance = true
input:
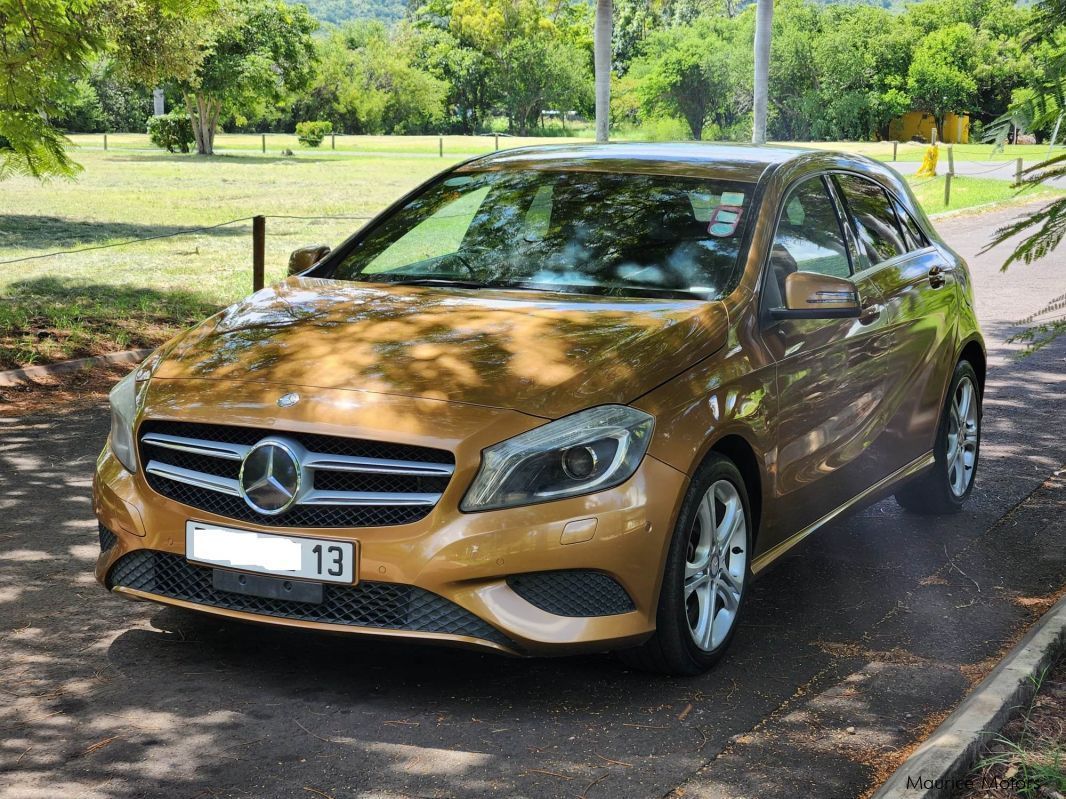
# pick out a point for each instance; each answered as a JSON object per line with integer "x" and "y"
{"x": 936, "y": 277}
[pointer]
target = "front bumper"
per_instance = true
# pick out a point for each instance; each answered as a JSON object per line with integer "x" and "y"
{"x": 506, "y": 580}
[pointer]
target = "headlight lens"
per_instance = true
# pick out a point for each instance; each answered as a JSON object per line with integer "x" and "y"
{"x": 123, "y": 400}
{"x": 588, "y": 451}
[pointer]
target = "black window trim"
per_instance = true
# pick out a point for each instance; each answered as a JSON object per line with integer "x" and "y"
{"x": 894, "y": 200}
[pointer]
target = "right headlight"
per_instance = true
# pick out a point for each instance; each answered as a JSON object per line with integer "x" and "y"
{"x": 589, "y": 451}
{"x": 123, "y": 399}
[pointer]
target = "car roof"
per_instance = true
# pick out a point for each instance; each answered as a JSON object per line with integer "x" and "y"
{"x": 740, "y": 162}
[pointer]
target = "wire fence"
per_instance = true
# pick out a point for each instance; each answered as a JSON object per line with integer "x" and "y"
{"x": 173, "y": 234}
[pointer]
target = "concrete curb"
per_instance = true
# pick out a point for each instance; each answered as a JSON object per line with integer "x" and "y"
{"x": 940, "y": 765}
{"x": 17, "y": 377}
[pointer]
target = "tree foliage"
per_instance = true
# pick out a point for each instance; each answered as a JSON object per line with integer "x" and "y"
{"x": 258, "y": 51}
{"x": 45, "y": 48}
{"x": 367, "y": 83}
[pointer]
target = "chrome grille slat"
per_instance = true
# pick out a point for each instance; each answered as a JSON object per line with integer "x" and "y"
{"x": 348, "y": 482}
{"x": 352, "y": 463}
{"x": 314, "y": 497}
{"x": 212, "y": 449}
{"x": 223, "y": 485}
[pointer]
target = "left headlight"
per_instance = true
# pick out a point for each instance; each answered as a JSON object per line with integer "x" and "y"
{"x": 589, "y": 451}
{"x": 123, "y": 399}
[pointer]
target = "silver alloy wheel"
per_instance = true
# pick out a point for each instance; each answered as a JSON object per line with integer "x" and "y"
{"x": 963, "y": 435}
{"x": 716, "y": 560}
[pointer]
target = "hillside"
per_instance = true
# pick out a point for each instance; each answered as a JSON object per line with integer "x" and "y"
{"x": 337, "y": 12}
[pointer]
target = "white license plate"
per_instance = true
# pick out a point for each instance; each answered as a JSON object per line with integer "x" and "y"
{"x": 268, "y": 553}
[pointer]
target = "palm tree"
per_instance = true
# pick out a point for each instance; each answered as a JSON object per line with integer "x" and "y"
{"x": 602, "y": 58}
{"x": 764, "y": 17}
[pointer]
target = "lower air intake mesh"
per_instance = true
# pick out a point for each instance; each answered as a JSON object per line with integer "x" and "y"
{"x": 107, "y": 538}
{"x": 386, "y": 606}
{"x": 573, "y": 592}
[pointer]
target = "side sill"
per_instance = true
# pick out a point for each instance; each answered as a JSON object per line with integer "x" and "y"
{"x": 912, "y": 468}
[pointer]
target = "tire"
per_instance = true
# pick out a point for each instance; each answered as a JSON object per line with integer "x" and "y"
{"x": 721, "y": 584}
{"x": 948, "y": 484}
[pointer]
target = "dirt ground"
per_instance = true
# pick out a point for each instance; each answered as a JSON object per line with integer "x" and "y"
{"x": 854, "y": 646}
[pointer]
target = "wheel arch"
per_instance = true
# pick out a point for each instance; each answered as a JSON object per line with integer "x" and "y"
{"x": 740, "y": 451}
{"x": 974, "y": 352}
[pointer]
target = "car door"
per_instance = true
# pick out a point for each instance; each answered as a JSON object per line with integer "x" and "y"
{"x": 919, "y": 308}
{"x": 830, "y": 381}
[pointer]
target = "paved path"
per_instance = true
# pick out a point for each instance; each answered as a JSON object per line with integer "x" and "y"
{"x": 879, "y": 623}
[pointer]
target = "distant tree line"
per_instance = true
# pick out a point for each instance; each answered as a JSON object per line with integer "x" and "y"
{"x": 682, "y": 68}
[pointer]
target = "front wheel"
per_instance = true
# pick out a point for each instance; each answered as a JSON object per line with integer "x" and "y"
{"x": 945, "y": 487}
{"x": 706, "y": 577}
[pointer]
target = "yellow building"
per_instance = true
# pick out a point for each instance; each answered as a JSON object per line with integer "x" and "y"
{"x": 920, "y": 123}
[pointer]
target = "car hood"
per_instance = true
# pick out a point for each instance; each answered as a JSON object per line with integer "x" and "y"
{"x": 546, "y": 354}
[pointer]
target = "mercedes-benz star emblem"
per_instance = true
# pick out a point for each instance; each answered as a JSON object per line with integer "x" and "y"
{"x": 270, "y": 477}
{"x": 288, "y": 400}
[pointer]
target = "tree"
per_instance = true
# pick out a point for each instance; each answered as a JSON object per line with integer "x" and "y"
{"x": 45, "y": 47}
{"x": 685, "y": 72}
{"x": 941, "y": 75}
{"x": 764, "y": 17}
{"x": 258, "y": 50}
{"x": 467, "y": 73}
{"x": 602, "y": 45}
{"x": 367, "y": 81}
{"x": 531, "y": 54}
{"x": 1046, "y": 228}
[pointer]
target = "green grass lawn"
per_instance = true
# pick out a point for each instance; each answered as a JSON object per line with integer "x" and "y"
{"x": 252, "y": 143}
{"x": 103, "y": 300}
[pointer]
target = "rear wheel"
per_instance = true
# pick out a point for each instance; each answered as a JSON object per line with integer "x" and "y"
{"x": 706, "y": 576}
{"x": 945, "y": 487}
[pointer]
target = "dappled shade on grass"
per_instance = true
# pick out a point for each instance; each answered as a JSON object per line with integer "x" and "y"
{"x": 55, "y": 318}
{"x": 53, "y": 233}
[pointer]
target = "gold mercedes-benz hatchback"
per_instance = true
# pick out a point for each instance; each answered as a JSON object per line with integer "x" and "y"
{"x": 556, "y": 399}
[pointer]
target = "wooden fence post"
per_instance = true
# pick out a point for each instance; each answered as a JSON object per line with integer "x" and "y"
{"x": 497, "y": 142}
{"x": 441, "y": 143}
{"x": 333, "y": 140}
{"x": 947, "y": 189}
{"x": 951, "y": 159}
{"x": 264, "y": 138}
{"x": 1018, "y": 167}
{"x": 105, "y": 142}
{"x": 895, "y": 144}
{"x": 258, "y": 251}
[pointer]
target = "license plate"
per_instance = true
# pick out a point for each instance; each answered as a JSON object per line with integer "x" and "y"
{"x": 269, "y": 553}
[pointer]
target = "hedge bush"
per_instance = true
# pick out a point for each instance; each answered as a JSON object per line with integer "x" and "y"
{"x": 171, "y": 131}
{"x": 311, "y": 134}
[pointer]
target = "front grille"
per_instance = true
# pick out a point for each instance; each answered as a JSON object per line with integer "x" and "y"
{"x": 386, "y": 606}
{"x": 107, "y": 538}
{"x": 369, "y": 483}
{"x": 572, "y": 592}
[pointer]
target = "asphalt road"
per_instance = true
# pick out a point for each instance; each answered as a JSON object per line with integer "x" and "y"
{"x": 879, "y": 624}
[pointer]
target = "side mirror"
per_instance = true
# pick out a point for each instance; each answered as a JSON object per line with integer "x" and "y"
{"x": 305, "y": 257}
{"x": 809, "y": 295}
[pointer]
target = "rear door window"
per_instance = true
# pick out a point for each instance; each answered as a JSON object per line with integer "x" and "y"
{"x": 872, "y": 215}
{"x": 913, "y": 234}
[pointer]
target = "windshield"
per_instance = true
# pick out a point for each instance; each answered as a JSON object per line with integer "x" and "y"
{"x": 589, "y": 232}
